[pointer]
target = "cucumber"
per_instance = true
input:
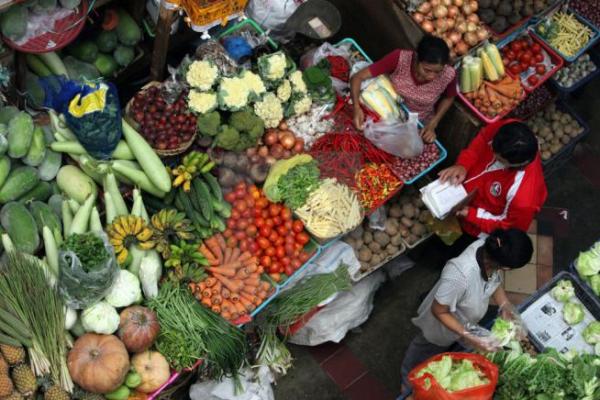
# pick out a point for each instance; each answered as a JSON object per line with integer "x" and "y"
{"x": 214, "y": 186}
{"x": 45, "y": 216}
{"x": 41, "y": 192}
{"x": 3, "y": 144}
{"x": 20, "y": 226}
{"x": 20, "y": 134}
{"x": 203, "y": 198}
{"x": 198, "y": 219}
{"x": 49, "y": 167}
{"x": 37, "y": 150}
{"x": 4, "y": 169}
{"x": 188, "y": 208}
{"x": 7, "y": 113}
{"x": 20, "y": 181}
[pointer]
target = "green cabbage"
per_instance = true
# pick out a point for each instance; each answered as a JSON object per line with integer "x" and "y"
{"x": 595, "y": 284}
{"x": 573, "y": 312}
{"x": 563, "y": 291}
{"x": 454, "y": 376}
{"x": 588, "y": 262}
{"x": 591, "y": 333}
{"x": 504, "y": 331}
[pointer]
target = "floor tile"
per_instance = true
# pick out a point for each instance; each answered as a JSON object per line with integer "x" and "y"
{"x": 587, "y": 163}
{"x": 516, "y": 298}
{"x": 533, "y": 238}
{"x": 368, "y": 388}
{"x": 522, "y": 280}
{"x": 344, "y": 368}
{"x": 545, "y": 249}
{"x": 544, "y": 274}
{"x": 532, "y": 227}
{"x": 325, "y": 351}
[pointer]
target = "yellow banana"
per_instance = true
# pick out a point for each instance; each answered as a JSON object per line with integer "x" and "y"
{"x": 147, "y": 245}
{"x": 122, "y": 257}
{"x": 145, "y": 234}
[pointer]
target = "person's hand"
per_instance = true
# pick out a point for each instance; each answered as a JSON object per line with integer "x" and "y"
{"x": 428, "y": 133}
{"x": 455, "y": 174}
{"x": 463, "y": 212}
{"x": 508, "y": 312}
{"x": 487, "y": 344}
{"x": 359, "y": 118}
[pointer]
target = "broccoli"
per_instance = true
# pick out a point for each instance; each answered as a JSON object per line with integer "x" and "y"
{"x": 227, "y": 138}
{"x": 245, "y": 142}
{"x": 209, "y": 123}
{"x": 246, "y": 121}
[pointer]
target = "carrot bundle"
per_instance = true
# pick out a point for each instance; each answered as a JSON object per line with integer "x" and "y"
{"x": 494, "y": 98}
{"x": 234, "y": 287}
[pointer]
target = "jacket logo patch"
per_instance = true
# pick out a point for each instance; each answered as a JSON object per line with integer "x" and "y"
{"x": 496, "y": 189}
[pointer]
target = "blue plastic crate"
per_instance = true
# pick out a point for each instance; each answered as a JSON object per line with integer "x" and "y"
{"x": 595, "y": 58}
{"x": 356, "y": 47}
{"x": 592, "y": 41}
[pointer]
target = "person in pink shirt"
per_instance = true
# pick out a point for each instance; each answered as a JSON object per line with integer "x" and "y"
{"x": 423, "y": 78}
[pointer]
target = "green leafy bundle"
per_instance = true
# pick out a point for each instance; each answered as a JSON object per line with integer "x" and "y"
{"x": 298, "y": 183}
{"x": 89, "y": 249}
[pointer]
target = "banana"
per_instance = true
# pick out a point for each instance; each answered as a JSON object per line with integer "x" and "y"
{"x": 122, "y": 257}
{"x": 145, "y": 234}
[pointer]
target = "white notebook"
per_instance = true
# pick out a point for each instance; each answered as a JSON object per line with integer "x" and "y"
{"x": 440, "y": 198}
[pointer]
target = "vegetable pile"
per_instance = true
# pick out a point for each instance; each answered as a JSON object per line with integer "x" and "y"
{"x": 575, "y": 72}
{"x": 375, "y": 183}
{"x": 565, "y": 33}
{"x": 588, "y": 267}
{"x": 454, "y": 375}
{"x": 500, "y": 15}
{"x": 527, "y": 59}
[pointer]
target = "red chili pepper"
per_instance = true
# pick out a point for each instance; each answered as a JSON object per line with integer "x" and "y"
{"x": 375, "y": 183}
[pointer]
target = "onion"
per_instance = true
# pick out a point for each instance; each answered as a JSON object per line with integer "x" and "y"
{"x": 277, "y": 150}
{"x": 427, "y": 26}
{"x": 448, "y": 42}
{"x": 298, "y": 146}
{"x": 441, "y": 25}
{"x": 254, "y": 159}
{"x": 424, "y": 8}
{"x": 471, "y": 27}
{"x": 482, "y": 34}
{"x": 263, "y": 151}
{"x": 440, "y": 11}
{"x": 418, "y": 17}
{"x": 473, "y": 18}
{"x": 461, "y": 48}
{"x": 461, "y": 27}
{"x": 451, "y": 23}
{"x": 286, "y": 154}
{"x": 270, "y": 137}
{"x": 466, "y": 9}
{"x": 287, "y": 139}
{"x": 270, "y": 160}
{"x": 251, "y": 151}
{"x": 283, "y": 126}
{"x": 454, "y": 37}
{"x": 474, "y": 5}
{"x": 471, "y": 38}
{"x": 453, "y": 11}
{"x": 447, "y": 2}
{"x": 458, "y": 3}
{"x": 434, "y": 3}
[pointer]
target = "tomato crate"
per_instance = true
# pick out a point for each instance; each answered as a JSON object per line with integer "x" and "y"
{"x": 545, "y": 60}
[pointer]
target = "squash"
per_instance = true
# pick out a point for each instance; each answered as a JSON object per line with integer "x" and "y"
{"x": 98, "y": 363}
{"x": 138, "y": 328}
{"x": 154, "y": 369}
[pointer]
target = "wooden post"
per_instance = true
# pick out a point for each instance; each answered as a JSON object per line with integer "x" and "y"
{"x": 161, "y": 43}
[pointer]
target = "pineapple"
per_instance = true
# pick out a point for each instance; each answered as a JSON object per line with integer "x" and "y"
{"x": 24, "y": 379}
{"x": 15, "y": 395}
{"x": 6, "y": 385}
{"x": 92, "y": 396}
{"x": 56, "y": 393}
{"x": 12, "y": 354}
{"x": 3, "y": 366}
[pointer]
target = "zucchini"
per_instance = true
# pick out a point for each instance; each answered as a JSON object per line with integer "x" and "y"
{"x": 37, "y": 150}
{"x": 20, "y": 134}
{"x": 74, "y": 183}
{"x": 107, "y": 41}
{"x": 50, "y": 165}
{"x": 41, "y": 192}
{"x": 4, "y": 169}
{"x": 37, "y": 66}
{"x": 203, "y": 197}
{"x": 128, "y": 31}
{"x": 20, "y": 226}
{"x": 20, "y": 181}
{"x": 214, "y": 186}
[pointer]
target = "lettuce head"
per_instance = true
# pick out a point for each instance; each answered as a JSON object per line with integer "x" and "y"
{"x": 588, "y": 262}
{"x": 573, "y": 312}
{"x": 591, "y": 333}
{"x": 594, "y": 282}
{"x": 563, "y": 291}
{"x": 504, "y": 331}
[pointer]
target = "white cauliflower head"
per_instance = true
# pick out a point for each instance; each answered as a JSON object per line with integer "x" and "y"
{"x": 101, "y": 318}
{"x": 272, "y": 67}
{"x": 202, "y": 75}
{"x": 298, "y": 84}
{"x": 125, "y": 291}
{"x": 233, "y": 93}
{"x": 270, "y": 110}
{"x": 253, "y": 82}
{"x": 284, "y": 91}
{"x": 202, "y": 102}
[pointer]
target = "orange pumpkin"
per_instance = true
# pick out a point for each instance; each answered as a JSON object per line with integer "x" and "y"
{"x": 98, "y": 363}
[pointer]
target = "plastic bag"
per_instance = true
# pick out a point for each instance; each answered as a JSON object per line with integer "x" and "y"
{"x": 448, "y": 230}
{"x": 480, "y": 335}
{"x": 256, "y": 385}
{"x": 91, "y": 110}
{"x": 213, "y": 50}
{"x": 312, "y": 57}
{"x": 39, "y": 24}
{"x": 377, "y": 219}
{"x": 426, "y": 388}
{"x": 271, "y": 14}
{"x": 80, "y": 288}
{"x": 509, "y": 312}
{"x": 401, "y": 139}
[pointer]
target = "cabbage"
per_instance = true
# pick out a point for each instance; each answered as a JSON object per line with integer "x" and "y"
{"x": 504, "y": 331}
{"x": 594, "y": 282}
{"x": 454, "y": 376}
{"x": 588, "y": 262}
{"x": 563, "y": 291}
{"x": 100, "y": 318}
{"x": 573, "y": 313}
{"x": 591, "y": 333}
{"x": 125, "y": 290}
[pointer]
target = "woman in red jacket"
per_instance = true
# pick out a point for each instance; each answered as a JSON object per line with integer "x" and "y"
{"x": 502, "y": 164}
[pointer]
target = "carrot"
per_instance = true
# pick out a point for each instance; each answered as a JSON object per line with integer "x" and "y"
{"x": 232, "y": 265}
{"x": 234, "y": 316}
{"x": 242, "y": 273}
{"x": 216, "y": 289}
{"x": 225, "y": 314}
{"x": 210, "y": 257}
{"x": 216, "y": 309}
{"x": 234, "y": 297}
{"x": 220, "y": 240}
{"x": 214, "y": 247}
{"x": 202, "y": 285}
{"x": 226, "y": 305}
{"x": 229, "y": 272}
{"x": 198, "y": 296}
{"x": 248, "y": 305}
{"x": 225, "y": 293}
{"x": 206, "y": 302}
{"x": 240, "y": 308}
{"x": 275, "y": 276}
{"x": 227, "y": 255}
{"x": 216, "y": 299}
{"x": 265, "y": 286}
{"x": 250, "y": 261}
{"x": 254, "y": 281}
{"x": 508, "y": 90}
{"x": 233, "y": 285}
{"x": 262, "y": 294}
{"x": 260, "y": 269}
{"x": 244, "y": 256}
{"x": 249, "y": 291}
{"x": 207, "y": 293}
{"x": 235, "y": 254}
{"x": 252, "y": 268}
{"x": 210, "y": 281}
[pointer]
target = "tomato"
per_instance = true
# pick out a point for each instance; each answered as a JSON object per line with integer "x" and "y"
{"x": 278, "y": 267}
{"x": 540, "y": 69}
{"x": 273, "y": 236}
{"x": 228, "y": 233}
{"x": 280, "y": 241}
{"x": 288, "y": 270}
{"x": 266, "y": 261}
{"x": 259, "y": 222}
{"x": 264, "y": 231}
{"x": 515, "y": 46}
{"x": 510, "y": 54}
{"x": 274, "y": 210}
{"x": 515, "y": 69}
{"x": 265, "y": 214}
{"x": 298, "y": 247}
{"x": 304, "y": 256}
{"x": 505, "y": 61}
{"x": 243, "y": 246}
{"x": 230, "y": 197}
{"x": 290, "y": 239}
{"x": 247, "y": 213}
{"x": 525, "y": 58}
{"x": 536, "y": 48}
{"x": 285, "y": 261}
{"x": 269, "y": 222}
{"x": 282, "y": 230}
{"x": 289, "y": 249}
{"x": 538, "y": 57}
{"x": 296, "y": 263}
{"x": 242, "y": 224}
{"x": 254, "y": 192}
{"x": 261, "y": 203}
{"x": 533, "y": 80}
{"x": 298, "y": 226}
{"x": 251, "y": 230}
{"x": 235, "y": 214}
{"x": 240, "y": 205}
{"x": 232, "y": 242}
{"x": 250, "y": 201}
{"x": 231, "y": 223}
{"x": 280, "y": 252}
{"x": 263, "y": 243}
{"x": 270, "y": 251}
{"x": 240, "y": 235}
{"x": 288, "y": 225}
{"x": 253, "y": 247}
{"x": 277, "y": 220}
{"x": 241, "y": 186}
{"x": 302, "y": 238}
{"x": 286, "y": 214}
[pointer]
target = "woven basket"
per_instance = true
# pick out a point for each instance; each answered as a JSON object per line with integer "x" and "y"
{"x": 183, "y": 147}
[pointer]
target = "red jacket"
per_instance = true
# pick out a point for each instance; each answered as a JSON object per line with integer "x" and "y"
{"x": 505, "y": 198}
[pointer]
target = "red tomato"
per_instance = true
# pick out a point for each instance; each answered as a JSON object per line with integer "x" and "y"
{"x": 536, "y": 48}
{"x": 240, "y": 194}
{"x": 266, "y": 261}
{"x": 241, "y": 186}
{"x": 274, "y": 210}
{"x": 515, "y": 69}
{"x": 296, "y": 263}
{"x": 289, "y": 249}
{"x": 265, "y": 231}
{"x": 261, "y": 203}
{"x": 235, "y": 214}
{"x": 286, "y": 214}
{"x": 277, "y": 220}
{"x": 269, "y": 222}
{"x": 280, "y": 241}
{"x": 242, "y": 224}
{"x": 277, "y": 267}
{"x": 231, "y": 223}
{"x": 273, "y": 236}
{"x": 298, "y": 247}
{"x": 243, "y": 245}
{"x": 270, "y": 251}
{"x": 250, "y": 201}
{"x": 228, "y": 233}
{"x": 525, "y": 58}
{"x": 232, "y": 242}
{"x": 265, "y": 214}
{"x": 302, "y": 238}
{"x": 515, "y": 46}
{"x": 286, "y": 261}
{"x": 282, "y": 230}
{"x": 288, "y": 225}
{"x": 288, "y": 270}
{"x": 251, "y": 230}
{"x": 230, "y": 197}
{"x": 241, "y": 205}
{"x": 253, "y": 247}
{"x": 538, "y": 57}
{"x": 510, "y": 54}
{"x": 505, "y": 61}
{"x": 298, "y": 226}
{"x": 533, "y": 80}
{"x": 304, "y": 256}
{"x": 280, "y": 252}
{"x": 240, "y": 235}
{"x": 263, "y": 243}
{"x": 540, "y": 69}
{"x": 259, "y": 222}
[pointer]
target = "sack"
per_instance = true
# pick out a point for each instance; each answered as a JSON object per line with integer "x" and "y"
{"x": 271, "y": 14}
{"x": 255, "y": 385}
{"x": 433, "y": 391}
{"x": 92, "y": 111}
{"x": 401, "y": 139}
{"x": 81, "y": 288}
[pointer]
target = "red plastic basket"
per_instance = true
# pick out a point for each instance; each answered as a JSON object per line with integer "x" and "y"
{"x": 64, "y": 32}
{"x": 479, "y": 114}
{"x": 552, "y": 61}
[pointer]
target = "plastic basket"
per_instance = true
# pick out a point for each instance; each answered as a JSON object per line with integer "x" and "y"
{"x": 516, "y": 28}
{"x": 250, "y": 24}
{"x": 534, "y": 102}
{"x": 573, "y": 270}
{"x": 552, "y": 61}
{"x": 582, "y": 294}
{"x": 479, "y": 114}
{"x": 203, "y": 15}
{"x": 563, "y": 90}
{"x": 299, "y": 271}
{"x": 360, "y": 275}
{"x": 590, "y": 43}
{"x": 356, "y": 47}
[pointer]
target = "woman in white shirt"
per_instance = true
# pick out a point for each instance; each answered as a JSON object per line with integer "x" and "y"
{"x": 461, "y": 296}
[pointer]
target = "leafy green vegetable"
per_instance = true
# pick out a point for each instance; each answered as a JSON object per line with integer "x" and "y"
{"x": 89, "y": 249}
{"x": 454, "y": 376}
{"x": 591, "y": 333}
{"x": 563, "y": 291}
{"x": 298, "y": 183}
{"x": 504, "y": 331}
{"x": 588, "y": 262}
{"x": 573, "y": 312}
{"x": 595, "y": 284}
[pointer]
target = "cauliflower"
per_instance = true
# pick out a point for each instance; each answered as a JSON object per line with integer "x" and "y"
{"x": 150, "y": 272}
{"x": 272, "y": 67}
{"x": 202, "y": 75}
{"x": 297, "y": 80}
{"x": 246, "y": 121}
{"x": 253, "y": 82}
{"x": 208, "y": 124}
{"x": 227, "y": 138}
{"x": 270, "y": 110}
{"x": 233, "y": 94}
{"x": 100, "y": 318}
{"x": 202, "y": 102}
{"x": 302, "y": 105}
{"x": 125, "y": 290}
{"x": 284, "y": 91}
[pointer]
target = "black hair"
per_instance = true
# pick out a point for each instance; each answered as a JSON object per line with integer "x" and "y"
{"x": 510, "y": 248}
{"x": 516, "y": 143}
{"x": 433, "y": 50}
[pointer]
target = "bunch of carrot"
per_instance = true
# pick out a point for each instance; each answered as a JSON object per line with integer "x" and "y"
{"x": 234, "y": 287}
{"x": 494, "y": 98}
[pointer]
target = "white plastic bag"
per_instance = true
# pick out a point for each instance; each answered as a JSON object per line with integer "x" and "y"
{"x": 271, "y": 14}
{"x": 348, "y": 310}
{"x": 401, "y": 139}
{"x": 256, "y": 386}
{"x": 377, "y": 219}
{"x": 315, "y": 55}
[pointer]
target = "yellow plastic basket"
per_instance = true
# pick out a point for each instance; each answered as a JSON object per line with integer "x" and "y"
{"x": 205, "y": 14}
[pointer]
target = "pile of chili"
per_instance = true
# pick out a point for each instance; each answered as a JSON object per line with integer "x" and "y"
{"x": 375, "y": 183}
{"x": 339, "y": 67}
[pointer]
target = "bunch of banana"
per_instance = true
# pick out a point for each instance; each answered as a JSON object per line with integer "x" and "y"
{"x": 169, "y": 225}
{"x": 186, "y": 263}
{"x": 126, "y": 231}
{"x": 193, "y": 163}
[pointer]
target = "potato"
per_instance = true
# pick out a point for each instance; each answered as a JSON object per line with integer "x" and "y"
{"x": 406, "y": 222}
{"x": 408, "y": 210}
{"x": 555, "y": 148}
{"x": 357, "y": 233}
{"x": 412, "y": 239}
{"x": 403, "y": 199}
{"x": 396, "y": 240}
{"x": 425, "y": 216}
{"x": 367, "y": 237}
{"x": 546, "y": 155}
{"x": 351, "y": 242}
{"x": 565, "y": 139}
{"x": 365, "y": 254}
{"x": 359, "y": 243}
{"x": 374, "y": 247}
{"x": 381, "y": 238}
{"x": 395, "y": 211}
{"x": 545, "y": 132}
{"x": 391, "y": 227}
{"x": 418, "y": 202}
{"x": 418, "y": 229}
{"x": 376, "y": 260}
{"x": 392, "y": 250}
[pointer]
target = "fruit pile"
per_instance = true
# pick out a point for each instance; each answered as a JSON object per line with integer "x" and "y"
{"x": 526, "y": 58}
{"x": 267, "y": 230}
{"x": 16, "y": 377}
{"x": 164, "y": 125}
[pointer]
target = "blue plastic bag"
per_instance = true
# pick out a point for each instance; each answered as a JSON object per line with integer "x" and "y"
{"x": 91, "y": 110}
